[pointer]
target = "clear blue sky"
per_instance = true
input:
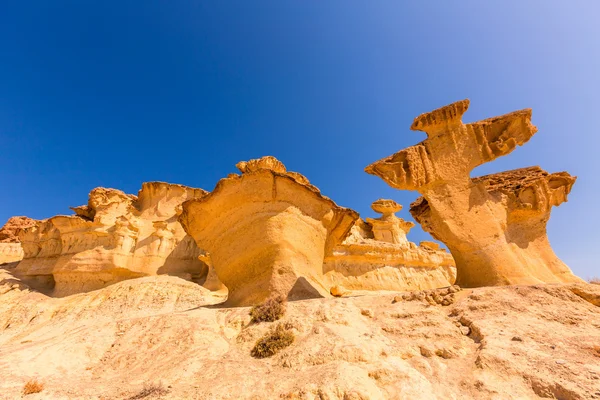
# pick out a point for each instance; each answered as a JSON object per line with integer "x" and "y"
{"x": 113, "y": 94}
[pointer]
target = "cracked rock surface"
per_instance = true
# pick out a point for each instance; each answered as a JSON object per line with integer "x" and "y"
{"x": 490, "y": 343}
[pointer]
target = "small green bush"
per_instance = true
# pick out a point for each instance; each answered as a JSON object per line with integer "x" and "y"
{"x": 275, "y": 340}
{"x": 271, "y": 310}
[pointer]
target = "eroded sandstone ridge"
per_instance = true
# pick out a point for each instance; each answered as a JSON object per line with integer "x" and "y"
{"x": 267, "y": 232}
{"x": 494, "y": 226}
{"x": 115, "y": 236}
{"x": 10, "y": 248}
{"x": 378, "y": 256}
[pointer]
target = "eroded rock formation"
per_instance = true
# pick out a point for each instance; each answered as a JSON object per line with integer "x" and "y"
{"x": 10, "y": 247}
{"x": 389, "y": 228}
{"x": 378, "y": 256}
{"x": 267, "y": 232}
{"x": 495, "y": 226}
{"x": 115, "y": 236}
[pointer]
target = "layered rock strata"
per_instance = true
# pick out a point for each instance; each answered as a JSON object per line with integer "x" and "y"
{"x": 378, "y": 256}
{"x": 267, "y": 232}
{"x": 115, "y": 236}
{"x": 10, "y": 247}
{"x": 495, "y": 231}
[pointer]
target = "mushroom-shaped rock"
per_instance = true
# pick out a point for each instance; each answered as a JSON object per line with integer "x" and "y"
{"x": 386, "y": 207}
{"x": 389, "y": 228}
{"x": 267, "y": 233}
{"x": 494, "y": 226}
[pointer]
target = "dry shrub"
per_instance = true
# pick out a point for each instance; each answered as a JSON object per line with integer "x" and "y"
{"x": 595, "y": 281}
{"x": 33, "y": 386}
{"x": 271, "y": 310}
{"x": 151, "y": 389}
{"x": 275, "y": 340}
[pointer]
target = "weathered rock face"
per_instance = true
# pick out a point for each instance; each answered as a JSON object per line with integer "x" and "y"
{"x": 267, "y": 232}
{"x": 10, "y": 247}
{"x": 378, "y": 256}
{"x": 114, "y": 237}
{"x": 9, "y": 232}
{"x": 495, "y": 231}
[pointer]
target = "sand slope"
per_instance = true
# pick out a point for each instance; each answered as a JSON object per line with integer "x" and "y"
{"x": 492, "y": 343}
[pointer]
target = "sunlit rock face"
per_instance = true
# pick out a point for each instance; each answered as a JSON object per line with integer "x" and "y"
{"x": 10, "y": 247}
{"x": 267, "y": 232}
{"x": 115, "y": 236}
{"x": 389, "y": 228}
{"x": 495, "y": 226}
{"x": 378, "y": 256}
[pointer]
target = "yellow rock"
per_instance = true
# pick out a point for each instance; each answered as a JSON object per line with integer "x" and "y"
{"x": 267, "y": 232}
{"x": 114, "y": 237}
{"x": 494, "y": 226}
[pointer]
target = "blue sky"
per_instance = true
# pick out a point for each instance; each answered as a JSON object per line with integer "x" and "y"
{"x": 117, "y": 93}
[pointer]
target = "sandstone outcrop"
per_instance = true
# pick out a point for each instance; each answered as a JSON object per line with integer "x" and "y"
{"x": 494, "y": 226}
{"x": 378, "y": 256}
{"x": 267, "y": 232}
{"x": 115, "y": 236}
{"x": 10, "y": 247}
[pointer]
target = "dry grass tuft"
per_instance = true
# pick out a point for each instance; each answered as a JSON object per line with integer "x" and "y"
{"x": 271, "y": 310}
{"x": 595, "y": 281}
{"x": 275, "y": 340}
{"x": 33, "y": 386}
{"x": 151, "y": 389}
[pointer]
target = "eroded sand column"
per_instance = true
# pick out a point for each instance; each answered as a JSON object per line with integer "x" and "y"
{"x": 267, "y": 232}
{"x": 497, "y": 236}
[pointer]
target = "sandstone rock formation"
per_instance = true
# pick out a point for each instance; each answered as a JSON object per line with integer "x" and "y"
{"x": 495, "y": 226}
{"x": 267, "y": 232}
{"x": 114, "y": 237}
{"x": 10, "y": 247}
{"x": 378, "y": 256}
{"x": 389, "y": 228}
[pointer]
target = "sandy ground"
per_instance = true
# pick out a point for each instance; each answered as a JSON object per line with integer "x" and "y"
{"x": 492, "y": 343}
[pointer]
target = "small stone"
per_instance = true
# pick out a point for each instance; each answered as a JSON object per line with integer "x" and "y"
{"x": 339, "y": 291}
{"x": 425, "y": 352}
{"x": 516, "y": 339}
{"x": 455, "y": 289}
